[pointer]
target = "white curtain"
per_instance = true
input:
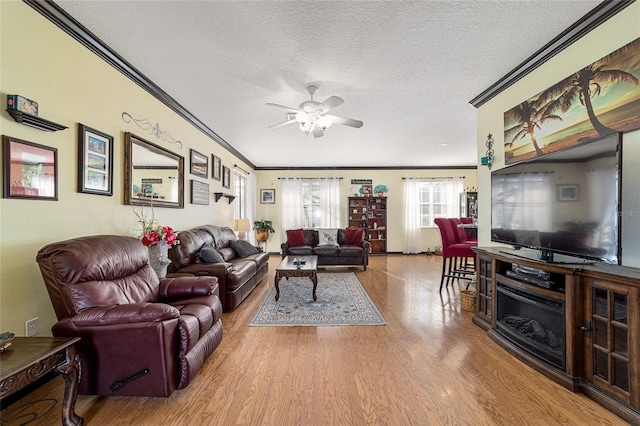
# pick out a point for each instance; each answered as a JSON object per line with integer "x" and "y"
{"x": 329, "y": 197}
{"x": 453, "y": 196}
{"x": 292, "y": 206}
{"x": 250, "y": 207}
{"x": 411, "y": 216}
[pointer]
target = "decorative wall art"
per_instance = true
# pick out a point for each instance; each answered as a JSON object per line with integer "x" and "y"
{"x": 153, "y": 129}
{"x": 30, "y": 170}
{"x": 597, "y": 100}
{"x": 199, "y": 193}
{"x": 216, "y": 167}
{"x": 226, "y": 177}
{"x": 267, "y": 196}
{"x": 95, "y": 161}
{"x": 199, "y": 164}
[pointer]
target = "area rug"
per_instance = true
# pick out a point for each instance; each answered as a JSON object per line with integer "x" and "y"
{"x": 341, "y": 301}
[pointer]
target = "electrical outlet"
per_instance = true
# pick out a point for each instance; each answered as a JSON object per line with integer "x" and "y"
{"x": 32, "y": 327}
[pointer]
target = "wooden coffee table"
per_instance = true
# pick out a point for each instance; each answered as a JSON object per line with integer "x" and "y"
{"x": 288, "y": 268}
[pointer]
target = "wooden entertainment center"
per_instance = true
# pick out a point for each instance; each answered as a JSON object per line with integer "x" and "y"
{"x": 597, "y": 348}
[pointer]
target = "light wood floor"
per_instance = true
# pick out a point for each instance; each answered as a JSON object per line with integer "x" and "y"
{"x": 428, "y": 366}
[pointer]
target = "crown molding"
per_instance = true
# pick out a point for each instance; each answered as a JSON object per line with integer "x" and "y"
{"x": 69, "y": 25}
{"x": 372, "y": 168}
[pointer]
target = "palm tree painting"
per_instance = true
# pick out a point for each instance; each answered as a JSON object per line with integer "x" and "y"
{"x": 599, "y": 99}
{"x": 528, "y": 117}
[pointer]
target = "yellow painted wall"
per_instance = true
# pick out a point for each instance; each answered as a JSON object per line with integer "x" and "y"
{"x": 611, "y": 35}
{"x": 72, "y": 85}
{"x": 395, "y": 199}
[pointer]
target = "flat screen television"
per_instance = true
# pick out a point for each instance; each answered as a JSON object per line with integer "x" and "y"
{"x": 563, "y": 205}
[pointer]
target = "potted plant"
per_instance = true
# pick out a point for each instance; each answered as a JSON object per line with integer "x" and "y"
{"x": 381, "y": 190}
{"x": 263, "y": 227}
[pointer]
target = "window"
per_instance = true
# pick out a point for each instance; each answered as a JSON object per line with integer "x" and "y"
{"x": 240, "y": 202}
{"x": 310, "y": 203}
{"x": 438, "y": 198}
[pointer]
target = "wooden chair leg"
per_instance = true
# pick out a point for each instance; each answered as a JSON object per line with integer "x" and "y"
{"x": 444, "y": 262}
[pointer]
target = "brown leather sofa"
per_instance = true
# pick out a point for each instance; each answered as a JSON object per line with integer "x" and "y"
{"x": 237, "y": 276}
{"x": 139, "y": 335}
{"x": 340, "y": 255}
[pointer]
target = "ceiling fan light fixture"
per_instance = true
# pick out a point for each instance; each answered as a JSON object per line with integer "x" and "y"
{"x": 302, "y": 117}
{"x": 312, "y": 116}
{"x": 324, "y": 122}
{"x": 306, "y": 127}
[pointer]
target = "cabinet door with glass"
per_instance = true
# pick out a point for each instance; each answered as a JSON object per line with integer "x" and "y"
{"x": 611, "y": 326}
{"x": 484, "y": 288}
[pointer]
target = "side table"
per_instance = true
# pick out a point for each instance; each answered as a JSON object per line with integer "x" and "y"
{"x": 30, "y": 358}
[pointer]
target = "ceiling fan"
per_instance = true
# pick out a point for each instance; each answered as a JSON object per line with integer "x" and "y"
{"x": 313, "y": 116}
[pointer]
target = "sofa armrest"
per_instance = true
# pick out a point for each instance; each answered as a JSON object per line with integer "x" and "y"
{"x": 366, "y": 245}
{"x": 172, "y": 288}
{"x": 206, "y": 269}
{"x": 284, "y": 249}
{"x": 125, "y": 314}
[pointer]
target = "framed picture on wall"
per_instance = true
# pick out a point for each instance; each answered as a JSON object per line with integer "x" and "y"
{"x": 199, "y": 164}
{"x": 569, "y": 192}
{"x": 267, "y": 196}
{"x": 30, "y": 170}
{"x": 199, "y": 193}
{"x": 95, "y": 161}
{"x": 226, "y": 177}
{"x": 216, "y": 167}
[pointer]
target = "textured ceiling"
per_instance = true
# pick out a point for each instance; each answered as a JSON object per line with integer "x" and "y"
{"x": 407, "y": 69}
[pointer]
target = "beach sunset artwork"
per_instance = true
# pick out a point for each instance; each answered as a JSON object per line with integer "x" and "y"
{"x": 597, "y": 100}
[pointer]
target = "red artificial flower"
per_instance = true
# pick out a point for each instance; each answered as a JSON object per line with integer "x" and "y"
{"x": 150, "y": 238}
{"x": 169, "y": 236}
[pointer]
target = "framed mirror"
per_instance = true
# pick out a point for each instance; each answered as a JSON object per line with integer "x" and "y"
{"x": 153, "y": 176}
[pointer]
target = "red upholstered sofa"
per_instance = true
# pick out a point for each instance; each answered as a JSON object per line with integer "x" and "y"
{"x": 356, "y": 253}
{"x": 139, "y": 335}
{"x": 237, "y": 276}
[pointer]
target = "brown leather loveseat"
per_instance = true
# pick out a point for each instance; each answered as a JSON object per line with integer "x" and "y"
{"x": 346, "y": 252}
{"x": 139, "y": 335}
{"x": 237, "y": 275}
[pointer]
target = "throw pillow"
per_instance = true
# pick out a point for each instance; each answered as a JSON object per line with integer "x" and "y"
{"x": 208, "y": 254}
{"x": 354, "y": 236}
{"x": 327, "y": 237}
{"x": 243, "y": 248}
{"x": 295, "y": 237}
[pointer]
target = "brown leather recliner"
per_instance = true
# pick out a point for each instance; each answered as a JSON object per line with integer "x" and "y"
{"x": 139, "y": 335}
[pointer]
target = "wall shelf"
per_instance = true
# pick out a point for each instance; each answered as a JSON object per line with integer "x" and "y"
{"x": 219, "y": 195}
{"x": 35, "y": 121}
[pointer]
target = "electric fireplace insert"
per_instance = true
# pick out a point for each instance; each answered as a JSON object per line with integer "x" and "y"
{"x": 533, "y": 322}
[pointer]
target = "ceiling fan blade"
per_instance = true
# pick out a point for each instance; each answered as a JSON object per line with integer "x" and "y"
{"x": 329, "y": 104}
{"x": 317, "y": 132}
{"x": 346, "y": 121}
{"x": 290, "y": 109}
{"x": 284, "y": 123}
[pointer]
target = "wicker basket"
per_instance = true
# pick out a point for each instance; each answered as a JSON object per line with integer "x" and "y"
{"x": 468, "y": 300}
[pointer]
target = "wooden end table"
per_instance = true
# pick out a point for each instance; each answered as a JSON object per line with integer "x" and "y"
{"x": 288, "y": 269}
{"x": 30, "y": 358}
